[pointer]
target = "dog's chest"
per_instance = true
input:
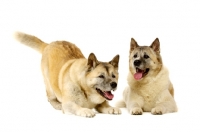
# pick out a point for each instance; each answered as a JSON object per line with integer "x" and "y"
{"x": 149, "y": 94}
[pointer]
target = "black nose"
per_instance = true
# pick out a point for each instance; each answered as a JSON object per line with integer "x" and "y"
{"x": 113, "y": 84}
{"x": 137, "y": 62}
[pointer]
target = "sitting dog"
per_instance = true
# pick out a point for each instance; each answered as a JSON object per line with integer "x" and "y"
{"x": 149, "y": 87}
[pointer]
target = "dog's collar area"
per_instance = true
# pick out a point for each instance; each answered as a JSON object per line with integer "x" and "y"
{"x": 140, "y": 73}
{"x": 106, "y": 94}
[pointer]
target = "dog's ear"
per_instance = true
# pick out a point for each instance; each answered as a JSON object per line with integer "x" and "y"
{"x": 92, "y": 61}
{"x": 156, "y": 45}
{"x": 115, "y": 61}
{"x": 133, "y": 44}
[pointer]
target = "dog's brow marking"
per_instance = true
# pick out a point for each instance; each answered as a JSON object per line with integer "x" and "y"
{"x": 141, "y": 49}
{"x": 106, "y": 67}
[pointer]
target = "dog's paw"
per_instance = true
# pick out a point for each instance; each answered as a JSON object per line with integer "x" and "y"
{"x": 112, "y": 110}
{"x": 158, "y": 110}
{"x": 136, "y": 111}
{"x": 85, "y": 112}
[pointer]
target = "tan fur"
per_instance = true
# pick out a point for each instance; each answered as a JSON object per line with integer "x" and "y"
{"x": 71, "y": 79}
{"x": 154, "y": 92}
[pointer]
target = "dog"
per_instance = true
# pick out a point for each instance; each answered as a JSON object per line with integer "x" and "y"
{"x": 75, "y": 84}
{"x": 149, "y": 87}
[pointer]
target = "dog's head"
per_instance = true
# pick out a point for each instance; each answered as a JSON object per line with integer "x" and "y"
{"x": 144, "y": 60}
{"x": 103, "y": 76}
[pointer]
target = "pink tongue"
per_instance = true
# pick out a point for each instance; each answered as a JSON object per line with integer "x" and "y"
{"x": 138, "y": 75}
{"x": 109, "y": 95}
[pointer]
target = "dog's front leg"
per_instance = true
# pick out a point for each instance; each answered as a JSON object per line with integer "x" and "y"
{"x": 73, "y": 101}
{"x": 165, "y": 104}
{"x": 134, "y": 104}
{"x": 133, "y": 101}
{"x": 164, "y": 107}
{"x": 134, "y": 108}
{"x": 73, "y": 108}
{"x": 106, "y": 108}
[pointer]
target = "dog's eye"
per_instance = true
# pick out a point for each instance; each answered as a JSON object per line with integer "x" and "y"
{"x": 113, "y": 76}
{"x": 101, "y": 76}
{"x": 135, "y": 56}
{"x": 146, "y": 56}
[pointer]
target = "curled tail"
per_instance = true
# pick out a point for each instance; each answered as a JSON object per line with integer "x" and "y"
{"x": 30, "y": 41}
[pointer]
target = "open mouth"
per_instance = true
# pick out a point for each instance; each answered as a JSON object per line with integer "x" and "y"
{"x": 140, "y": 73}
{"x": 106, "y": 94}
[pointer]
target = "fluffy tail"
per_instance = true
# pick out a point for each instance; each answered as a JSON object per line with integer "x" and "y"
{"x": 120, "y": 104}
{"x": 30, "y": 41}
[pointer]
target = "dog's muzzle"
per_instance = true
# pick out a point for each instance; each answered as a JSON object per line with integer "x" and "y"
{"x": 108, "y": 94}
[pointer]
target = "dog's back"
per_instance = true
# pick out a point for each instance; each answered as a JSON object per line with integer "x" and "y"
{"x": 71, "y": 50}
{"x": 54, "y": 56}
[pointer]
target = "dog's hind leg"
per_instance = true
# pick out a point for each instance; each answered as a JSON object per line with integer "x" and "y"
{"x": 50, "y": 94}
{"x": 53, "y": 101}
{"x": 51, "y": 97}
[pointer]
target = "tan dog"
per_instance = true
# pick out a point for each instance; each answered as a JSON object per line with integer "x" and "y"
{"x": 150, "y": 89}
{"x": 73, "y": 83}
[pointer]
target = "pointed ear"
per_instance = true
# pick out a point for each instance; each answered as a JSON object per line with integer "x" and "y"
{"x": 133, "y": 44}
{"x": 156, "y": 45}
{"x": 115, "y": 61}
{"x": 92, "y": 61}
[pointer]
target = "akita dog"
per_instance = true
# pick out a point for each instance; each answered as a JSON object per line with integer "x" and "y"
{"x": 73, "y": 83}
{"x": 149, "y": 87}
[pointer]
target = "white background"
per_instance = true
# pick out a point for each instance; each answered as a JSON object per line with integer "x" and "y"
{"x": 104, "y": 27}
